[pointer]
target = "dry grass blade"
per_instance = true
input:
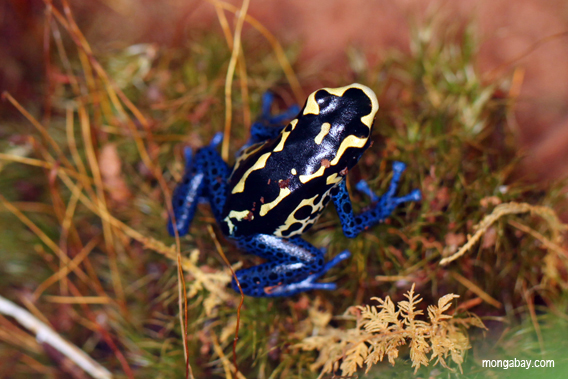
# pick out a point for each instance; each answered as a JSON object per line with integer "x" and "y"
{"x": 277, "y": 48}
{"x": 183, "y": 316}
{"x": 107, "y": 230}
{"x": 227, "y": 366}
{"x": 477, "y": 290}
{"x": 39, "y": 127}
{"x": 503, "y": 210}
{"x": 239, "y": 307}
{"x": 46, "y": 335}
{"x": 69, "y": 267}
{"x": 41, "y": 235}
{"x": 229, "y": 79}
{"x": 78, "y": 300}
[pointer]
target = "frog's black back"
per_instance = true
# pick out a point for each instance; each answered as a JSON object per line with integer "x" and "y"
{"x": 281, "y": 187}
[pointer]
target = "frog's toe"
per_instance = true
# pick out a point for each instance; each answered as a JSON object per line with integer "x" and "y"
{"x": 363, "y": 186}
{"x": 323, "y": 286}
{"x": 216, "y": 140}
{"x": 181, "y": 226}
{"x": 338, "y": 258}
{"x": 188, "y": 155}
{"x": 398, "y": 167}
{"x": 415, "y": 195}
{"x": 328, "y": 266}
{"x": 305, "y": 285}
{"x": 267, "y": 100}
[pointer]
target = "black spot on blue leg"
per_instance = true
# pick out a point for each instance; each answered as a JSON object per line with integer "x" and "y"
{"x": 292, "y": 266}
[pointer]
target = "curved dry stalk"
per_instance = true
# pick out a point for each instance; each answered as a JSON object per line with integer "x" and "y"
{"x": 45, "y": 334}
{"x": 278, "y": 50}
{"x": 229, "y": 79}
{"x": 503, "y": 210}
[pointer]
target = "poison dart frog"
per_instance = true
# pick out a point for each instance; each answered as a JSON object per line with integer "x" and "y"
{"x": 282, "y": 180}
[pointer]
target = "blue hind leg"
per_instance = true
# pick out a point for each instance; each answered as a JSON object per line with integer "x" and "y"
{"x": 205, "y": 177}
{"x": 293, "y": 266}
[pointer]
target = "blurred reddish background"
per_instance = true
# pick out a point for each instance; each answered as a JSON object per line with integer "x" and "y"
{"x": 506, "y": 30}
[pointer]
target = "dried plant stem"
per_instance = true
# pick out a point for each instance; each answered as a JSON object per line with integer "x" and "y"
{"x": 224, "y": 360}
{"x": 500, "y": 211}
{"x": 236, "y": 339}
{"x": 69, "y": 267}
{"x": 278, "y": 50}
{"x": 183, "y": 317}
{"x": 550, "y": 245}
{"x": 241, "y": 64}
{"x": 43, "y": 237}
{"x": 229, "y": 79}
{"x": 476, "y": 290}
{"x": 529, "y": 299}
{"x": 107, "y": 230}
{"x": 45, "y": 334}
{"x": 492, "y": 75}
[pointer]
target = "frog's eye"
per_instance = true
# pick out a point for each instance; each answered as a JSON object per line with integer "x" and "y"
{"x": 326, "y": 102}
{"x": 319, "y": 102}
{"x": 323, "y": 99}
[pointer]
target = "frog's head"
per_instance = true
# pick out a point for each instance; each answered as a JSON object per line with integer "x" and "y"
{"x": 341, "y": 120}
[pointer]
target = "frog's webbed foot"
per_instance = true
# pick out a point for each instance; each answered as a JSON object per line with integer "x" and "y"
{"x": 293, "y": 266}
{"x": 383, "y": 208}
{"x": 310, "y": 282}
{"x": 389, "y": 200}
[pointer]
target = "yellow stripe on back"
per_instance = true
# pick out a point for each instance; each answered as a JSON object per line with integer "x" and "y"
{"x": 306, "y": 178}
{"x": 350, "y": 141}
{"x": 265, "y": 208}
{"x": 259, "y": 164}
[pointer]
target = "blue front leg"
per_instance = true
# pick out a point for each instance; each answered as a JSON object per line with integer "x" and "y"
{"x": 205, "y": 177}
{"x": 352, "y": 225}
{"x": 293, "y": 266}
